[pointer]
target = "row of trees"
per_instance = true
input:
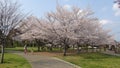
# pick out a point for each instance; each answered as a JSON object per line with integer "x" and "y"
{"x": 63, "y": 27}
{"x": 66, "y": 28}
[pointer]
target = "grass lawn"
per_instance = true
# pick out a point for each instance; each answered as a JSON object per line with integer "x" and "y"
{"x": 93, "y": 60}
{"x": 14, "y": 61}
{"x": 21, "y": 49}
{"x": 29, "y": 49}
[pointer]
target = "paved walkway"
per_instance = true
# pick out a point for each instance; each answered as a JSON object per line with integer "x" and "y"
{"x": 38, "y": 61}
{"x": 111, "y": 53}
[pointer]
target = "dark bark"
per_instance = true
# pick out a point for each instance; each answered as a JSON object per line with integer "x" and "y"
{"x": 66, "y": 47}
{"x": 51, "y": 48}
{"x": 2, "y": 53}
{"x": 3, "y": 42}
{"x": 65, "y": 50}
{"x": 12, "y": 43}
{"x": 38, "y": 48}
{"x": 78, "y": 48}
{"x": 73, "y": 47}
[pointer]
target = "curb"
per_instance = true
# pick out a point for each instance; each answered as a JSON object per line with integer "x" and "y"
{"x": 111, "y": 54}
{"x": 76, "y": 66}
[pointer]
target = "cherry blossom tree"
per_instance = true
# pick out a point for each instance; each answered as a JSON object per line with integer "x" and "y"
{"x": 10, "y": 17}
{"x": 77, "y": 24}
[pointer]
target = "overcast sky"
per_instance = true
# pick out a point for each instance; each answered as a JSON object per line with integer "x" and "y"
{"x": 105, "y": 10}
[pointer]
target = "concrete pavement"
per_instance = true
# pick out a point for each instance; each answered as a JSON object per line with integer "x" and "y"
{"x": 38, "y": 61}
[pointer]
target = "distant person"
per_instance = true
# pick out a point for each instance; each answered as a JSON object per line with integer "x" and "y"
{"x": 25, "y": 49}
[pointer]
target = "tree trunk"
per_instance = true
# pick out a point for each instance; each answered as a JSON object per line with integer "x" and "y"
{"x": 38, "y": 48}
{"x": 12, "y": 43}
{"x": 105, "y": 47}
{"x": 73, "y": 47}
{"x": 92, "y": 48}
{"x": 65, "y": 50}
{"x": 78, "y": 50}
{"x": 51, "y": 48}
{"x": 2, "y": 54}
{"x": 2, "y": 50}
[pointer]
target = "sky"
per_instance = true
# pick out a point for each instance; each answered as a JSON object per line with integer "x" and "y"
{"x": 105, "y": 10}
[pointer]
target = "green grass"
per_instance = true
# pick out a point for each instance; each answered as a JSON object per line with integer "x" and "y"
{"x": 93, "y": 60}
{"x": 21, "y": 49}
{"x": 14, "y": 61}
{"x": 35, "y": 49}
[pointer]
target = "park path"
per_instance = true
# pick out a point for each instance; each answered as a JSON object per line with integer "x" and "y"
{"x": 38, "y": 61}
{"x": 111, "y": 53}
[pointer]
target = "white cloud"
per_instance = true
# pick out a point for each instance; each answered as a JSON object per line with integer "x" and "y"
{"x": 116, "y": 9}
{"x": 104, "y": 21}
{"x": 67, "y": 6}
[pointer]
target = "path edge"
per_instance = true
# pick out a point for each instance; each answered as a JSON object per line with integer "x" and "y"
{"x": 74, "y": 65}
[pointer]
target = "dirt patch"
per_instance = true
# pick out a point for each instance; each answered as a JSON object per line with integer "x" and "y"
{"x": 51, "y": 54}
{"x": 46, "y": 54}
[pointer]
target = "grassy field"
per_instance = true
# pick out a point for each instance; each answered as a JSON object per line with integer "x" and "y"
{"x": 93, "y": 60}
{"x": 29, "y": 49}
{"x": 21, "y": 49}
{"x": 14, "y": 61}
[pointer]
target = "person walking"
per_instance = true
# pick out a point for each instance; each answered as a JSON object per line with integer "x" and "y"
{"x": 25, "y": 49}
